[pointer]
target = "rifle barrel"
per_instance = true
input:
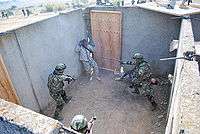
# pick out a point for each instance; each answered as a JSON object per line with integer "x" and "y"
{"x": 172, "y": 58}
{"x": 110, "y": 59}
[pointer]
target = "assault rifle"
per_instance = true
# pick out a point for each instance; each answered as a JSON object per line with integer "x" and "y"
{"x": 90, "y": 125}
{"x": 69, "y": 80}
{"x": 120, "y": 61}
{"x": 188, "y": 55}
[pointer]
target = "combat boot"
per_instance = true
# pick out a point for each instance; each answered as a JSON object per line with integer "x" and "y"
{"x": 154, "y": 105}
{"x": 152, "y": 101}
{"x": 58, "y": 116}
{"x": 136, "y": 90}
{"x": 118, "y": 79}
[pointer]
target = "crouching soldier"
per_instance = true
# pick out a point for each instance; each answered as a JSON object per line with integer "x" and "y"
{"x": 141, "y": 77}
{"x": 80, "y": 124}
{"x": 56, "y": 91}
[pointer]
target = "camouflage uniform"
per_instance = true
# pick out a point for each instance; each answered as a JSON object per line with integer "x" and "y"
{"x": 56, "y": 91}
{"x": 141, "y": 77}
{"x": 80, "y": 124}
{"x": 84, "y": 53}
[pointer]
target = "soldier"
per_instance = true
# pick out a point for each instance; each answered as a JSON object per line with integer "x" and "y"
{"x": 56, "y": 91}
{"x": 28, "y": 12}
{"x": 85, "y": 50}
{"x": 24, "y": 13}
{"x": 141, "y": 77}
{"x": 80, "y": 124}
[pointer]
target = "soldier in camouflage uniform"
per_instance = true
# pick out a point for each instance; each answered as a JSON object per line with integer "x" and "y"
{"x": 56, "y": 91}
{"x": 85, "y": 49}
{"x": 80, "y": 124}
{"x": 141, "y": 77}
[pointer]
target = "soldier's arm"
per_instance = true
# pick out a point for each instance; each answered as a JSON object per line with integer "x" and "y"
{"x": 66, "y": 78}
{"x": 90, "y": 125}
{"x": 91, "y": 48}
{"x": 144, "y": 72}
{"x": 127, "y": 62}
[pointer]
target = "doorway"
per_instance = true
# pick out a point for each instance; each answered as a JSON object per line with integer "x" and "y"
{"x": 106, "y": 32}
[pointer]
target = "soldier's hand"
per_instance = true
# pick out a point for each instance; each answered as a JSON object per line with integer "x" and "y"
{"x": 122, "y": 62}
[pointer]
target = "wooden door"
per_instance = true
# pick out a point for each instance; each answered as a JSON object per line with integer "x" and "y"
{"x": 106, "y": 32}
{"x": 7, "y": 91}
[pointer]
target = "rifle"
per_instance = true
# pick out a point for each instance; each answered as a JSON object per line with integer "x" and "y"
{"x": 90, "y": 125}
{"x": 69, "y": 80}
{"x": 121, "y": 61}
{"x": 111, "y": 59}
{"x": 188, "y": 55}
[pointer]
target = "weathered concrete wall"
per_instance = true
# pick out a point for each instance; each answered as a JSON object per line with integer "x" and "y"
{"x": 47, "y": 43}
{"x": 38, "y": 49}
{"x": 15, "y": 119}
{"x": 184, "y": 111}
{"x": 147, "y": 32}
{"x": 14, "y": 62}
{"x": 196, "y": 27}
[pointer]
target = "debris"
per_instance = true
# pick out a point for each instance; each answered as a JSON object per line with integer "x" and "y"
{"x": 160, "y": 116}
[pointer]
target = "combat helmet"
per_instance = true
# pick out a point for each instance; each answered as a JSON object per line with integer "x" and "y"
{"x": 59, "y": 69}
{"x": 60, "y": 66}
{"x": 138, "y": 56}
{"x": 79, "y": 123}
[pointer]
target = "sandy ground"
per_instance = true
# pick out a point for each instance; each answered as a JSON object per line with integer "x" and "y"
{"x": 118, "y": 111}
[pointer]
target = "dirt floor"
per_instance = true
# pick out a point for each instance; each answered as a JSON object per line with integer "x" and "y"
{"x": 118, "y": 111}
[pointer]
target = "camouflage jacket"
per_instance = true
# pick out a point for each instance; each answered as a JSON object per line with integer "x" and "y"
{"x": 56, "y": 82}
{"x": 142, "y": 71}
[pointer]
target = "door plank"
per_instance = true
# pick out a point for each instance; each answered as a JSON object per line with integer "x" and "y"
{"x": 7, "y": 91}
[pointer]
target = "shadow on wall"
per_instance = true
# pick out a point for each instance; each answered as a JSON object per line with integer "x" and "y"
{"x": 6, "y": 127}
{"x": 196, "y": 26}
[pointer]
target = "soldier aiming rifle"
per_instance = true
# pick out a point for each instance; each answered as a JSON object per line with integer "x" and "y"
{"x": 56, "y": 91}
{"x": 85, "y": 49}
{"x": 140, "y": 76}
{"x": 188, "y": 55}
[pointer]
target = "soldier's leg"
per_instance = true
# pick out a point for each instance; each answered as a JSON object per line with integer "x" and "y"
{"x": 59, "y": 106}
{"x": 135, "y": 82}
{"x": 152, "y": 101}
{"x": 65, "y": 97}
{"x": 87, "y": 66}
{"x": 58, "y": 112}
{"x": 95, "y": 67}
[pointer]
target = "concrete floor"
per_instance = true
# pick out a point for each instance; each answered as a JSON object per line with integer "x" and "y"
{"x": 117, "y": 110}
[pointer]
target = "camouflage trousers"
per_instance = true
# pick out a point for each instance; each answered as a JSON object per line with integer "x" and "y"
{"x": 60, "y": 99}
{"x": 89, "y": 65}
{"x": 146, "y": 89}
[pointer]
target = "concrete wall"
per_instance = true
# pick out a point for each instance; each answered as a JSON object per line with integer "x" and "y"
{"x": 184, "y": 103}
{"x": 147, "y": 32}
{"x": 196, "y": 27}
{"x": 42, "y": 46}
{"x": 15, "y": 119}
{"x": 12, "y": 56}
